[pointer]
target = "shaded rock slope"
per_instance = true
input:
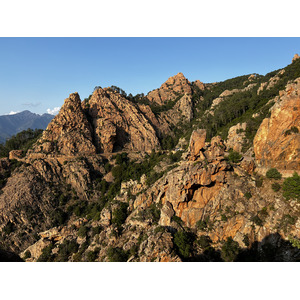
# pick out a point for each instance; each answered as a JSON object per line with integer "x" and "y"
{"x": 162, "y": 178}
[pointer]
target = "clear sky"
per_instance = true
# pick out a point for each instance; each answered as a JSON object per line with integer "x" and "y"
{"x": 39, "y": 73}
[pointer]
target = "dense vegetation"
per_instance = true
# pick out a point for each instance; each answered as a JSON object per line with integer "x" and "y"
{"x": 21, "y": 141}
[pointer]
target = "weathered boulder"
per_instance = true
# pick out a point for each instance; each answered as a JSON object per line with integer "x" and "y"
{"x": 197, "y": 142}
{"x": 15, "y": 154}
{"x": 236, "y": 137}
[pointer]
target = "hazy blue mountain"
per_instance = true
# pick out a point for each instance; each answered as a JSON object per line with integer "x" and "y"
{"x": 12, "y": 124}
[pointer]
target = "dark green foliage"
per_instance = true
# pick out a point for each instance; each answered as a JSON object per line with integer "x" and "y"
{"x": 168, "y": 142}
{"x": 92, "y": 255}
{"x": 117, "y": 255}
{"x": 21, "y": 141}
{"x": 230, "y": 250}
{"x": 27, "y": 254}
{"x": 234, "y": 156}
{"x": 133, "y": 170}
{"x": 58, "y": 217}
{"x": 66, "y": 249}
{"x": 224, "y": 218}
{"x": 201, "y": 224}
{"x": 8, "y": 228}
{"x": 259, "y": 181}
{"x": 276, "y": 186}
{"x": 248, "y": 195}
{"x": 96, "y": 230}
{"x": 154, "y": 212}
{"x": 47, "y": 254}
{"x": 121, "y": 158}
{"x": 246, "y": 240}
{"x": 175, "y": 157}
{"x": 288, "y": 220}
{"x": 120, "y": 214}
{"x": 256, "y": 220}
{"x": 83, "y": 231}
{"x": 260, "y": 218}
{"x": 204, "y": 242}
{"x": 177, "y": 220}
{"x": 204, "y": 224}
{"x": 183, "y": 242}
{"x": 292, "y": 130}
{"x": 291, "y": 187}
{"x": 273, "y": 173}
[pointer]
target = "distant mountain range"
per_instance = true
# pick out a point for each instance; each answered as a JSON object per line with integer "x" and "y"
{"x": 12, "y": 124}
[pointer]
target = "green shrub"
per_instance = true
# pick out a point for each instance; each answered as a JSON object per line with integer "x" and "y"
{"x": 66, "y": 249}
{"x": 293, "y": 129}
{"x": 83, "y": 231}
{"x": 117, "y": 255}
{"x": 276, "y": 187}
{"x": 183, "y": 243}
{"x": 177, "y": 220}
{"x": 248, "y": 195}
{"x": 201, "y": 224}
{"x": 259, "y": 181}
{"x": 8, "y": 228}
{"x": 291, "y": 187}
{"x": 230, "y": 250}
{"x": 246, "y": 240}
{"x": 257, "y": 220}
{"x": 58, "y": 217}
{"x": 204, "y": 242}
{"x": 234, "y": 156}
{"x": 273, "y": 173}
{"x": 224, "y": 218}
{"x": 92, "y": 255}
{"x": 120, "y": 214}
{"x": 46, "y": 254}
{"x": 27, "y": 254}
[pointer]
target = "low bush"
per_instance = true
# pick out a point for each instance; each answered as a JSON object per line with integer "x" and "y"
{"x": 291, "y": 187}
{"x": 230, "y": 250}
{"x": 273, "y": 173}
{"x": 183, "y": 242}
{"x": 117, "y": 255}
{"x": 204, "y": 242}
{"x": 276, "y": 187}
{"x": 234, "y": 156}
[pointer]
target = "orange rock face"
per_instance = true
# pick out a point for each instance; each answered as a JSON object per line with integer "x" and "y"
{"x": 119, "y": 125}
{"x": 197, "y": 142}
{"x": 277, "y": 141}
{"x": 69, "y": 132}
{"x": 173, "y": 87}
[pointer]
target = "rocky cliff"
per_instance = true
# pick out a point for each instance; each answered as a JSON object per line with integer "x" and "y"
{"x": 175, "y": 86}
{"x": 97, "y": 186}
{"x": 277, "y": 142}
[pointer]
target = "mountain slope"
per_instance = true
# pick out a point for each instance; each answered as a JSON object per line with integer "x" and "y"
{"x": 12, "y": 124}
{"x": 91, "y": 189}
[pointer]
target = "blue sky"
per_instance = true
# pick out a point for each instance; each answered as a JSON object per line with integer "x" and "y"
{"x": 39, "y": 73}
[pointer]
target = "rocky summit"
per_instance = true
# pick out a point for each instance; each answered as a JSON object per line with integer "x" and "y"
{"x": 191, "y": 171}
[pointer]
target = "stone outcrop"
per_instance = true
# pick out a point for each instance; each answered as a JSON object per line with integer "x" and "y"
{"x": 175, "y": 86}
{"x": 69, "y": 133}
{"x": 15, "y": 154}
{"x": 236, "y": 137}
{"x": 197, "y": 142}
{"x": 296, "y": 56}
{"x": 118, "y": 124}
{"x": 277, "y": 141}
